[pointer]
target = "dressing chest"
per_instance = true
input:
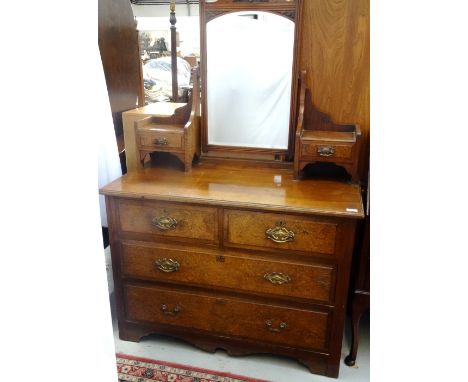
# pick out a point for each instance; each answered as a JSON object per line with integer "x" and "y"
{"x": 237, "y": 252}
{"x": 234, "y": 256}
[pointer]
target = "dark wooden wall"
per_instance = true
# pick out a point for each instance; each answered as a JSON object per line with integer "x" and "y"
{"x": 335, "y": 52}
{"x": 118, "y": 44}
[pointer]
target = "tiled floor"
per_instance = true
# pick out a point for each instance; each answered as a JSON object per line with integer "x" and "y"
{"x": 271, "y": 368}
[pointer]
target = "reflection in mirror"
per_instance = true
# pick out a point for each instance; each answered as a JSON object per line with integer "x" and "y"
{"x": 249, "y": 72}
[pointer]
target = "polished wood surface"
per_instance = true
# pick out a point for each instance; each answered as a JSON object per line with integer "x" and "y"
{"x": 233, "y": 271}
{"x": 335, "y": 45}
{"x": 158, "y": 109}
{"x": 337, "y": 136}
{"x": 242, "y": 184}
{"x": 119, "y": 47}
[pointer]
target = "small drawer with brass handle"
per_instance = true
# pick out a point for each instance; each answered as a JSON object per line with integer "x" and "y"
{"x": 161, "y": 142}
{"x": 164, "y": 222}
{"x": 280, "y": 328}
{"x": 277, "y": 278}
{"x": 164, "y": 140}
{"x": 279, "y": 234}
{"x": 325, "y": 151}
{"x": 174, "y": 312}
{"x": 328, "y": 152}
{"x": 167, "y": 265}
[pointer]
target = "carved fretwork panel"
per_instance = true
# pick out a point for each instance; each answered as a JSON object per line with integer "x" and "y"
{"x": 210, "y": 15}
{"x": 291, "y": 15}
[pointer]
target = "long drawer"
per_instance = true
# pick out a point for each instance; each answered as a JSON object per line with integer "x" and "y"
{"x": 275, "y": 231}
{"x": 228, "y": 270}
{"x": 228, "y": 316}
{"x": 169, "y": 220}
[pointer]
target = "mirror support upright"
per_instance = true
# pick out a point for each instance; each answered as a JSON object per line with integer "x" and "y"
{"x": 175, "y": 85}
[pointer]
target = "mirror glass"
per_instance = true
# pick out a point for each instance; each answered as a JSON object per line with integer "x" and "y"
{"x": 249, "y": 73}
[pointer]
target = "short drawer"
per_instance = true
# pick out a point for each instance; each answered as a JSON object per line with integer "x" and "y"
{"x": 283, "y": 232}
{"x": 327, "y": 151}
{"x": 227, "y": 270}
{"x": 161, "y": 139}
{"x": 168, "y": 219}
{"x": 228, "y": 316}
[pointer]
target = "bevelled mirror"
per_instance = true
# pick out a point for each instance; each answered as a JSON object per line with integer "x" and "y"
{"x": 249, "y": 56}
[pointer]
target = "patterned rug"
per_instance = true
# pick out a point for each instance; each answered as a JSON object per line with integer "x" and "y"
{"x": 137, "y": 369}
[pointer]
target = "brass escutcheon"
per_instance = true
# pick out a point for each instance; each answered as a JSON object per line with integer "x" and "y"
{"x": 167, "y": 265}
{"x": 280, "y": 328}
{"x": 165, "y": 310}
{"x": 164, "y": 222}
{"x": 280, "y": 234}
{"x": 277, "y": 278}
{"x": 325, "y": 151}
{"x": 161, "y": 141}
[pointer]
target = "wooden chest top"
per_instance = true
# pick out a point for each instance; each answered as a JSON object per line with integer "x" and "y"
{"x": 242, "y": 185}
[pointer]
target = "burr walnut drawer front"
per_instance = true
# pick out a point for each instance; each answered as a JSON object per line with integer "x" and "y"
{"x": 328, "y": 151}
{"x": 228, "y": 316}
{"x": 283, "y": 232}
{"x": 232, "y": 271}
{"x": 158, "y": 140}
{"x": 169, "y": 220}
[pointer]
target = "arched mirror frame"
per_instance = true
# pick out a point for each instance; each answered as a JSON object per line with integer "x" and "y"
{"x": 291, "y": 9}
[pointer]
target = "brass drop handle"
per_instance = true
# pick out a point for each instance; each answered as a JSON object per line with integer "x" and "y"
{"x": 280, "y": 328}
{"x": 167, "y": 265}
{"x": 161, "y": 141}
{"x": 325, "y": 151}
{"x": 164, "y": 222}
{"x": 172, "y": 312}
{"x": 277, "y": 278}
{"x": 279, "y": 234}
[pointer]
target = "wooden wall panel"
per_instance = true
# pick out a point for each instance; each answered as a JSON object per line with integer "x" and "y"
{"x": 335, "y": 52}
